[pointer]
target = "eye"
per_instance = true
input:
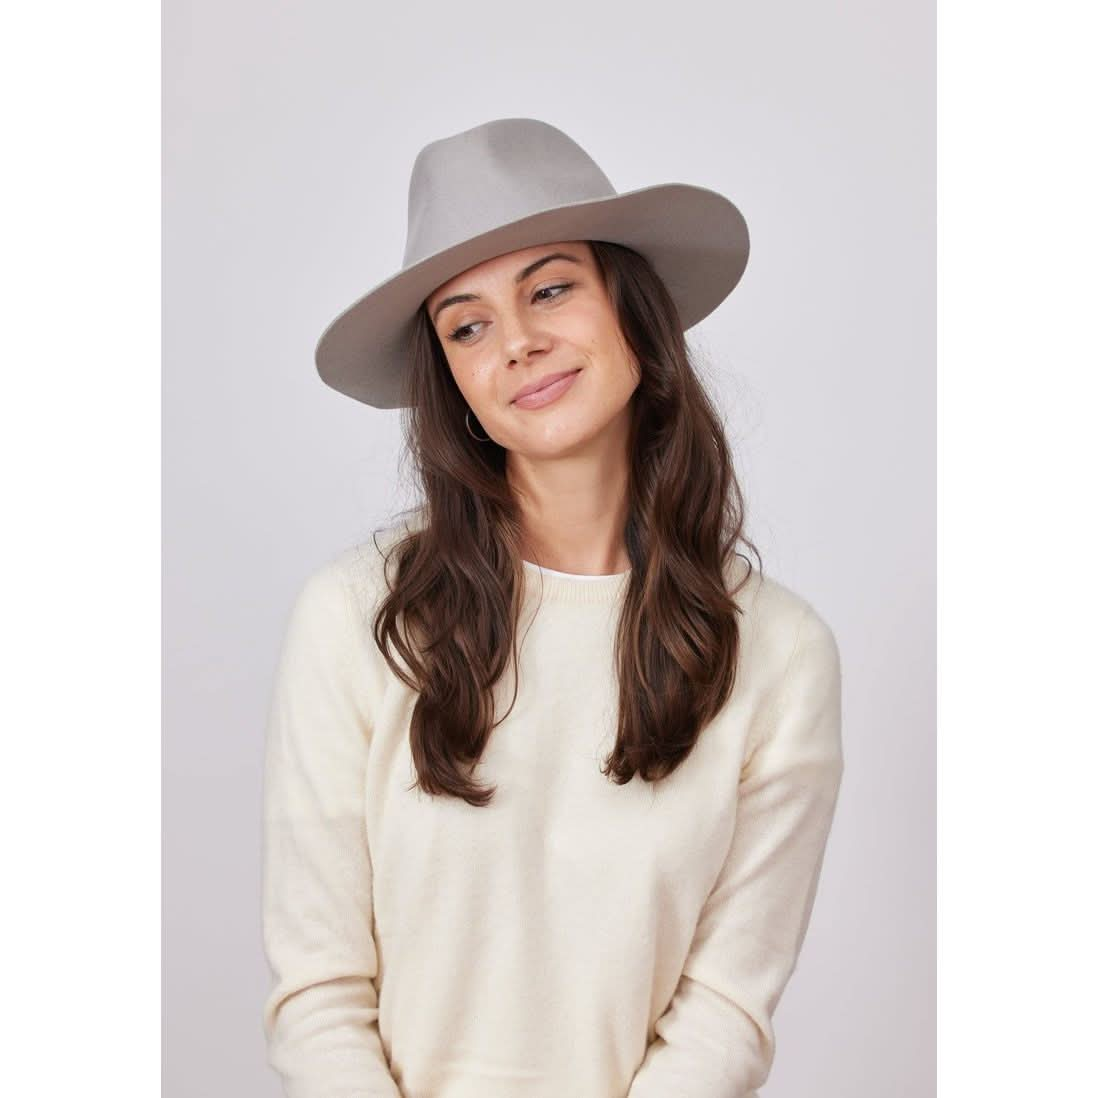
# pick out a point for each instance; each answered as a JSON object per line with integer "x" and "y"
{"x": 562, "y": 286}
{"x": 457, "y": 334}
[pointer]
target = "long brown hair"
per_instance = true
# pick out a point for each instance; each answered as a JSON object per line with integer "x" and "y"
{"x": 452, "y": 606}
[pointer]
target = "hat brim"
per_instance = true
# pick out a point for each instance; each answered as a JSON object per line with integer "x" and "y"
{"x": 696, "y": 240}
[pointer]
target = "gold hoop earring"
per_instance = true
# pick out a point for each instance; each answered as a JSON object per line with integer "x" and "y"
{"x": 470, "y": 429}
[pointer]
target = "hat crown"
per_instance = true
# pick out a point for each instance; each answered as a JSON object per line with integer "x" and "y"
{"x": 497, "y": 172}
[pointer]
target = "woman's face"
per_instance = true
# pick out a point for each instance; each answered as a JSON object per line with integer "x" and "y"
{"x": 519, "y": 318}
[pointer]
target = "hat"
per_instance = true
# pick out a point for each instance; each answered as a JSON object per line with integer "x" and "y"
{"x": 509, "y": 184}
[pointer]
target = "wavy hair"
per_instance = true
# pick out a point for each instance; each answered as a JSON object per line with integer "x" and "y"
{"x": 452, "y": 608}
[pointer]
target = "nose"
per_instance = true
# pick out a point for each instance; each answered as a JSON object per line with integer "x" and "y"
{"x": 520, "y": 337}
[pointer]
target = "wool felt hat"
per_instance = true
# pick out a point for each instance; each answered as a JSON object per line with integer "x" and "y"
{"x": 509, "y": 184}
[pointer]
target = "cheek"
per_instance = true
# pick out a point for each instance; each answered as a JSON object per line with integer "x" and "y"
{"x": 610, "y": 349}
{"x": 594, "y": 332}
{"x": 472, "y": 379}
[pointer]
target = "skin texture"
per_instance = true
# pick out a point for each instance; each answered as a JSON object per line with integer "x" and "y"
{"x": 567, "y": 461}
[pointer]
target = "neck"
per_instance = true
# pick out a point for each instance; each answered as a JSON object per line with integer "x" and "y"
{"x": 574, "y": 509}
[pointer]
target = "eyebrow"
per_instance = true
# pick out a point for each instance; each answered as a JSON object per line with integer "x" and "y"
{"x": 521, "y": 277}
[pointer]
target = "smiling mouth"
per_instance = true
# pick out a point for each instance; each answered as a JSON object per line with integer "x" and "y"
{"x": 547, "y": 385}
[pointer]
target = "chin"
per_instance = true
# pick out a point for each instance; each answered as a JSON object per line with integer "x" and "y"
{"x": 560, "y": 439}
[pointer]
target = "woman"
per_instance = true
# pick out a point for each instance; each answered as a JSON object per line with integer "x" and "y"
{"x": 551, "y": 768}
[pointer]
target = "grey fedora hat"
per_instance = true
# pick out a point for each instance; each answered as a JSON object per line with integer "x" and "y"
{"x": 514, "y": 183}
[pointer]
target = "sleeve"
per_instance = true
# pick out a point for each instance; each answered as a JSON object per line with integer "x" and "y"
{"x": 716, "y": 1038}
{"x": 320, "y": 1013}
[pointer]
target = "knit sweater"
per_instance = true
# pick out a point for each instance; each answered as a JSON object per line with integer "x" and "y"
{"x": 574, "y": 938}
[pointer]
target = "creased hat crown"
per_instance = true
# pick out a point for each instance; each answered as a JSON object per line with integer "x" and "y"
{"x": 501, "y": 171}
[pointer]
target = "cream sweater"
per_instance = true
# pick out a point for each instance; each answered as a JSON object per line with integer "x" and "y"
{"x": 574, "y": 939}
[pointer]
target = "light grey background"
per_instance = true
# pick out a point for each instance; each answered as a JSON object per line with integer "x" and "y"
{"x": 289, "y": 133}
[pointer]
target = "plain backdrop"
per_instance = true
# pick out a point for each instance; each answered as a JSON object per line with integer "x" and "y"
{"x": 289, "y": 134}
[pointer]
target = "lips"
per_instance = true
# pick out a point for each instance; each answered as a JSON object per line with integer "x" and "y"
{"x": 541, "y": 383}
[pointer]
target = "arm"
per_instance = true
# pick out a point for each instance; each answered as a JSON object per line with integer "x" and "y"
{"x": 715, "y": 1040}
{"x": 320, "y": 1014}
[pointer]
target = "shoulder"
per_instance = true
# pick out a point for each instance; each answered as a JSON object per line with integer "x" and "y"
{"x": 366, "y": 566}
{"x": 332, "y": 613}
{"x": 792, "y": 668}
{"x": 782, "y": 628}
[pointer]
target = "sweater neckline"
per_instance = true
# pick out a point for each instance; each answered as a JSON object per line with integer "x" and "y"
{"x": 571, "y": 587}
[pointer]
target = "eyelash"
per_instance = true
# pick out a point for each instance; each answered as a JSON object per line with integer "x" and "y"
{"x": 562, "y": 286}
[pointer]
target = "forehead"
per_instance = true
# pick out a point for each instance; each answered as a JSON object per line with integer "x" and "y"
{"x": 506, "y": 266}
